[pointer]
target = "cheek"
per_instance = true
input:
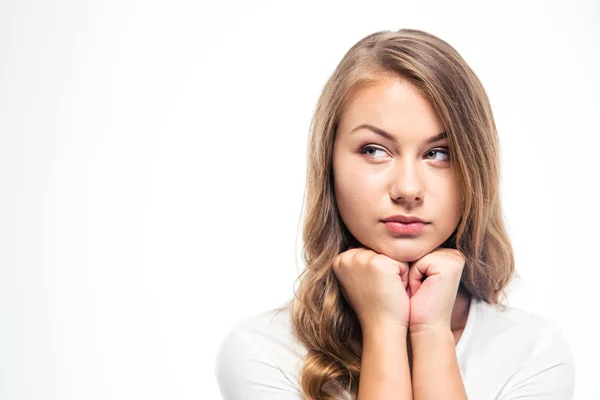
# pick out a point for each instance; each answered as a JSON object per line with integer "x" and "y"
{"x": 357, "y": 186}
{"x": 356, "y": 191}
{"x": 449, "y": 194}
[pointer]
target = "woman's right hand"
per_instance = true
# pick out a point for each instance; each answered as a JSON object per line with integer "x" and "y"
{"x": 375, "y": 286}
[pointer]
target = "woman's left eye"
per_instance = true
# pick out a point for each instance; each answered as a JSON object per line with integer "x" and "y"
{"x": 440, "y": 151}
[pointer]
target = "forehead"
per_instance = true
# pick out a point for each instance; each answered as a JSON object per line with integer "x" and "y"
{"x": 394, "y": 105}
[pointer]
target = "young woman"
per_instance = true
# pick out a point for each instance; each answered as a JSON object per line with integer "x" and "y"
{"x": 406, "y": 253}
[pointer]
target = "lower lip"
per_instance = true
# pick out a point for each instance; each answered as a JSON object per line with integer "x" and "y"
{"x": 405, "y": 229}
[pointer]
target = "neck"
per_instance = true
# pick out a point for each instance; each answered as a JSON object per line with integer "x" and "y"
{"x": 460, "y": 312}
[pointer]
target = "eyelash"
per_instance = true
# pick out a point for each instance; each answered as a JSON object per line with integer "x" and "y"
{"x": 439, "y": 150}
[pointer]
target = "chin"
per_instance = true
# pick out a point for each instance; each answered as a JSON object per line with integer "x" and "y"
{"x": 406, "y": 250}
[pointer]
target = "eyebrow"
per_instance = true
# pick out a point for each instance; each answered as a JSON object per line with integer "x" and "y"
{"x": 388, "y": 136}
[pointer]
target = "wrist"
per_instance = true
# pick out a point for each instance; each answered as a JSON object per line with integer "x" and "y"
{"x": 429, "y": 329}
{"x": 387, "y": 329}
{"x": 438, "y": 335}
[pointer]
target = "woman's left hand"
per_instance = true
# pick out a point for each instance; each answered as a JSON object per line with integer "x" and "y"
{"x": 432, "y": 300}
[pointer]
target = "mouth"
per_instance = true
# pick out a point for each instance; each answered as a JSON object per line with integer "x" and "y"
{"x": 406, "y": 219}
{"x": 401, "y": 228}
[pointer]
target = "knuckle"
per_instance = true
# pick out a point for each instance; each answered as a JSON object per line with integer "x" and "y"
{"x": 361, "y": 256}
{"x": 377, "y": 259}
{"x": 378, "y": 262}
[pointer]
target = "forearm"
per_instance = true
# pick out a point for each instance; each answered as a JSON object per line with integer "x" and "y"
{"x": 435, "y": 370}
{"x": 384, "y": 372}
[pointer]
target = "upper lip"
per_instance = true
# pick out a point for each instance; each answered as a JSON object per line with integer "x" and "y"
{"x": 403, "y": 218}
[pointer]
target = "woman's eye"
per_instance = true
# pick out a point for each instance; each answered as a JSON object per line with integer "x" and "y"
{"x": 438, "y": 151}
{"x": 372, "y": 150}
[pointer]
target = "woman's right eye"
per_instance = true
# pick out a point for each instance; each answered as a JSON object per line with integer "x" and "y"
{"x": 372, "y": 150}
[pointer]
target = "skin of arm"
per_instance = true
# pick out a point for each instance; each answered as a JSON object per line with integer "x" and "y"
{"x": 435, "y": 370}
{"x": 385, "y": 370}
{"x": 434, "y": 281}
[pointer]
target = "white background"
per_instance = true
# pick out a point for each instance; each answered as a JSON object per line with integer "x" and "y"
{"x": 152, "y": 159}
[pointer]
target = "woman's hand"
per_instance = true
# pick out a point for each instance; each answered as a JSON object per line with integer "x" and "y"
{"x": 432, "y": 300}
{"x": 375, "y": 287}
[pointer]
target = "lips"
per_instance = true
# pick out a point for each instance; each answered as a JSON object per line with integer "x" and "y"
{"x": 401, "y": 228}
{"x": 405, "y": 219}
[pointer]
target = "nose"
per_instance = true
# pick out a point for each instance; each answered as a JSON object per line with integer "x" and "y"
{"x": 406, "y": 182}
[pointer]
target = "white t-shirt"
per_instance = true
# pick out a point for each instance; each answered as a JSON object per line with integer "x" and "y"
{"x": 502, "y": 354}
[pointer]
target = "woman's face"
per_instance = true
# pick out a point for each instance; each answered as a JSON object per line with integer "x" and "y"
{"x": 405, "y": 174}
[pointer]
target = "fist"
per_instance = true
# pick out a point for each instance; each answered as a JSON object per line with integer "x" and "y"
{"x": 375, "y": 286}
{"x": 433, "y": 285}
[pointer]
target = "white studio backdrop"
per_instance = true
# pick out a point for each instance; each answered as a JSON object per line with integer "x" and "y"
{"x": 152, "y": 160}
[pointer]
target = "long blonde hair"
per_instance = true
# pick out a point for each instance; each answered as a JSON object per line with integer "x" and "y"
{"x": 322, "y": 320}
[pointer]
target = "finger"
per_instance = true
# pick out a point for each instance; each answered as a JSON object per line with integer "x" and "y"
{"x": 336, "y": 262}
{"x": 363, "y": 257}
{"x": 403, "y": 272}
{"x": 415, "y": 278}
{"x": 349, "y": 254}
{"x": 345, "y": 258}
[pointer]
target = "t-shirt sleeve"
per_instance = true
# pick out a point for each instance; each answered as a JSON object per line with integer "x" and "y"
{"x": 245, "y": 371}
{"x": 549, "y": 374}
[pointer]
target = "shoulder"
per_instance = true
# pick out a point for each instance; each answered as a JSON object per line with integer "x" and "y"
{"x": 260, "y": 357}
{"x": 523, "y": 329}
{"x": 529, "y": 350}
{"x": 270, "y": 333}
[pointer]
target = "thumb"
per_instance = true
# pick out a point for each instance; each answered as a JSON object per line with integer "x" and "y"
{"x": 415, "y": 279}
{"x": 403, "y": 272}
